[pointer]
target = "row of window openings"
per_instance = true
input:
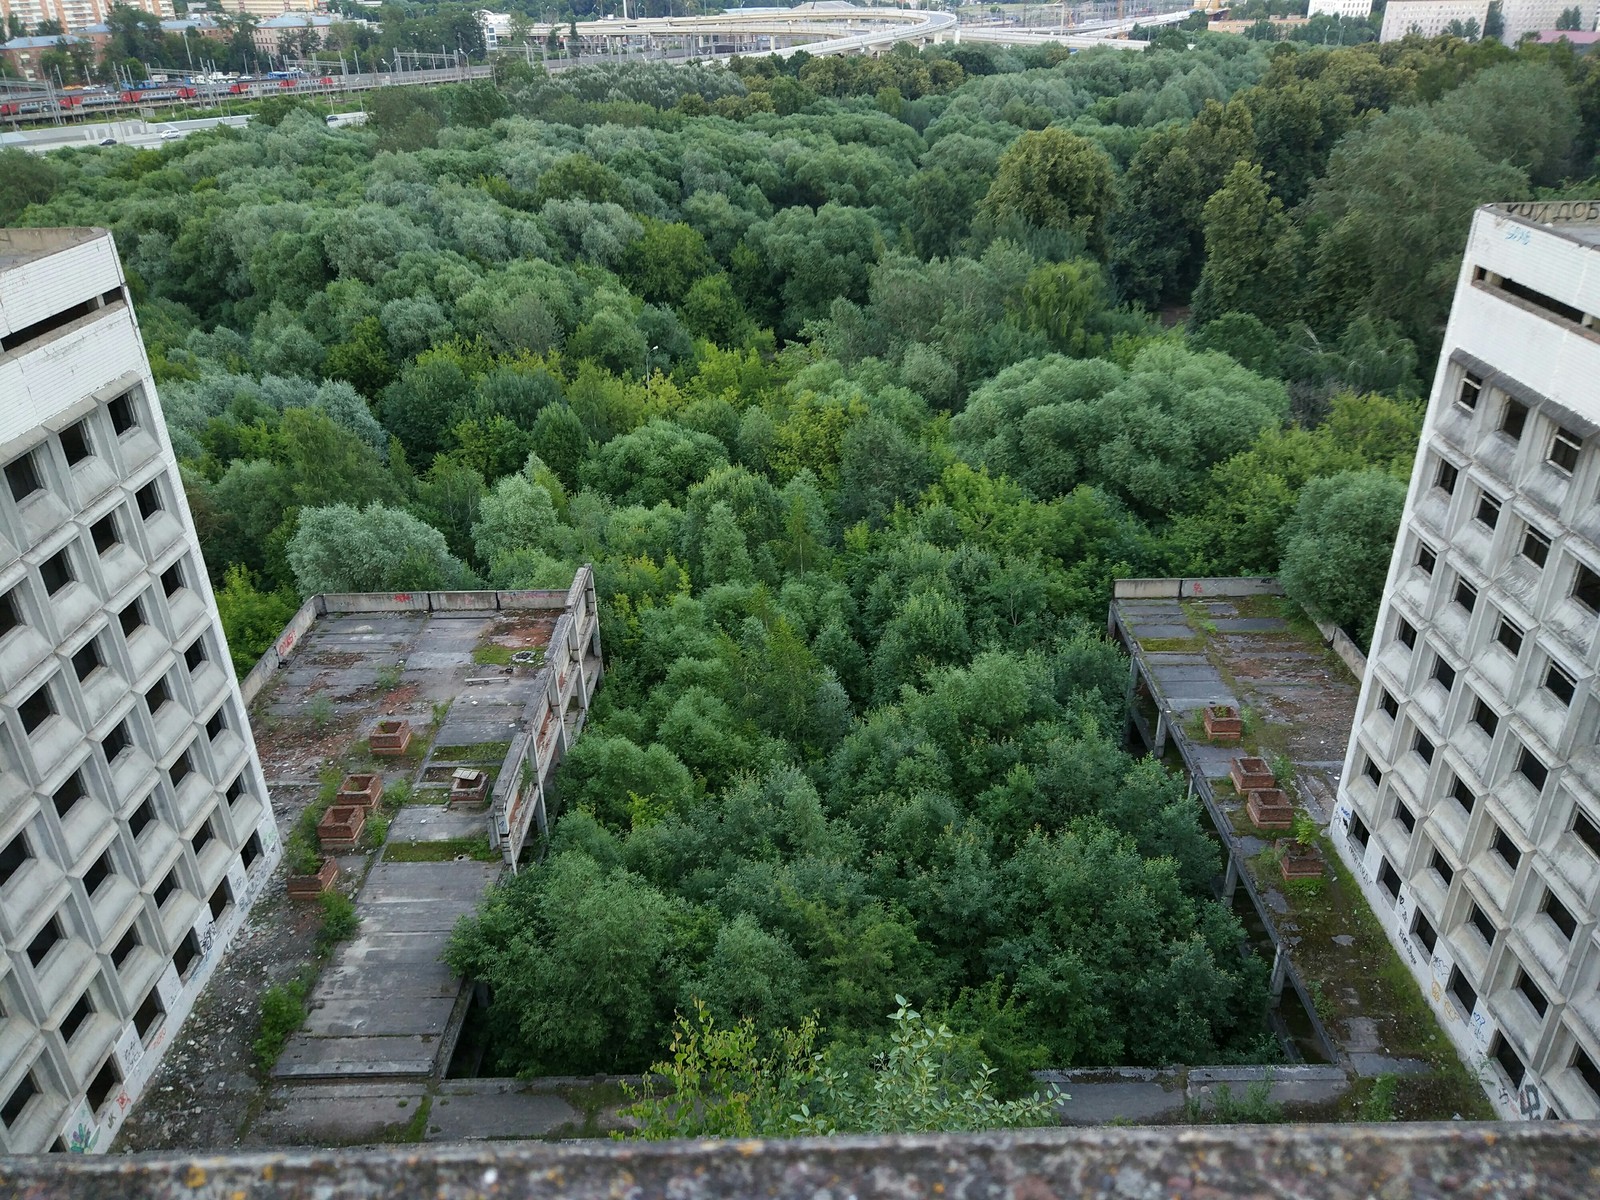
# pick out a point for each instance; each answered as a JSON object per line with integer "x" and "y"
{"x": 53, "y": 933}
{"x": 1535, "y": 548}
{"x": 1503, "y": 847}
{"x": 57, "y": 571}
{"x": 22, "y": 473}
{"x": 1528, "y": 765}
{"x": 41, "y": 705}
{"x": 1535, "y": 544}
{"x": 1558, "y": 681}
{"x": 1462, "y": 991}
{"x": 18, "y": 852}
{"x": 1565, "y": 446}
{"x": 145, "y": 1020}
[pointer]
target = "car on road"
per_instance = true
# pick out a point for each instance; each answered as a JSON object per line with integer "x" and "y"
{"x": 170, "y": 135}
{"x": 108, "y": 141}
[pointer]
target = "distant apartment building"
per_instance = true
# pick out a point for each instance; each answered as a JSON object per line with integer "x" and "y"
{"x": 266, "y": 8}
{"x": 25, "y": 55}
{"x": 135, "y": 829}
{"x": 1533, "y": 16}
{"x": 1430, "y": 18}
{"x": 271, "y": 35}
{"x": 1469, "y": 806}
{"x": 1358, "y": 10}
{"x": 73, "y": 15}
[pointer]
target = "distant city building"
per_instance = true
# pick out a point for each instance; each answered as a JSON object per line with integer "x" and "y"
{"x": 23, "y": 54}
{"x": 73, "y": 15}
{"x": 1430, "y": 18}
{"x": 1583, "y": 43}
{"x": 1534, "y": 16}
{"x": 1358, "y": 10}
{"x": 135, "y": 829}
{"x": 266, "y": 8}
{"x": 273, "y": 34}
{"x": 1469, "y": 805}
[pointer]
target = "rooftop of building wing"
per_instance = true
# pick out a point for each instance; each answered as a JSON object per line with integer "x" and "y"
{"x": 19, "y": 246}
{"x": 1577, "y": 220}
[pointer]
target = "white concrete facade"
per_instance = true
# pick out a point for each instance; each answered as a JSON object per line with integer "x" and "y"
{"x": 1531, "y": 16}
{"x": 135, "y": 829}
{"x": 1430, "y": 18}
{"x": 1358, "y": 10}
{"x": 1469, "y": 805}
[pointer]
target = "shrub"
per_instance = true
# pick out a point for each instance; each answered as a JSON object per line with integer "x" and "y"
{"x": 339, "y": 919}
{"x": 282, "y": 1012}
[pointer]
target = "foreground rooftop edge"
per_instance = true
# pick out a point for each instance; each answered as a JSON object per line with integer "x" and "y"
{"x": 1547, "y": 1160}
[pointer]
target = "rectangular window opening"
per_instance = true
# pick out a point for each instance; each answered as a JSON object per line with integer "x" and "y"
{"x": 125, "y": 948}
{"x": 1406, "y": 634}
{"x": 1446, "y": 476}
{"x": 141, "y": 818}
{"x": 116, "y": 742}
{"x": 221, "y": 898}
{"x": 1466, "y": 595}
{"x": 183, "y": 957}
{"x": 1531, "y": 992}
{"x": 1484, "y": 717}
{"x": 1531, "y": 769}
{"x": 68, "y": 794}
{"x": 76, "y": 444}
{"x": 1423, "y": 745}
{"x": 10, "y": 615}
{"x": 1480, "y": 921}
{"x": 1441, "y": 867}
{"x": 1585, "y": 830}
{"x": 1388, "y": 703}
{"x": 1388, "y": 879}
{"x": 1359, "y": 833}
{"x": 45, "y": 941}
{"x": 1514, "y": 419}
{"x": 105, "y": 534}
{"x": 106, "y": 1081}
{"x": 1444, "y": 673}
{"x": 1462, "y": 794}
{"x": 37, "y": 709}
{"x": 172, "y": 580}
{"x": 56, "y": 571}
{"x": 1560, "y": 684}
{"x": 1422, "y": 929}
{"x": 16, "y": 1103}
{"x": 15, "y": 855}
{"x": 1535, "y": 546}
{"x": 149, "y": 500}
{"x": 76, "y": 1016}
{"x": 149, "y": 1015}
{"x": 123, "y": 414}
{"x": 1426, "y": 558}
{"x": 23, "y": 476}
{"x": 1564, "y": 450}
{"x": 1462, "y": 992}
{"x": 1509, "y": 636}
{"x": 1471, "y": 388}
{"x": 1510, "y": 1062}
{"x": 86, "y": 661}
{"x": 1407, "y": 819}
{"x": 1560, "y": 915}
{"x": 1488, "y": 512}
{"x": 1506, "y": 848}
{"x": 97, "y": 874}
{"x": 1586, "y": 588}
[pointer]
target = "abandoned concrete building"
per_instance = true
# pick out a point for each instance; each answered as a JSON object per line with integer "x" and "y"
{"x": 1469, "y": 803}
{"x": 134, "y": 827}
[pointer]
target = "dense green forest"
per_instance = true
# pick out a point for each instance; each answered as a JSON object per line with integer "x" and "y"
{"x": 858, "y": 381}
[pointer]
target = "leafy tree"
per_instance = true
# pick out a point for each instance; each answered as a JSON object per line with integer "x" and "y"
{"x": 516, "y": 514}
{"x": 340, "y": 548}
{"x": 666, "y": 261}
{"x": 1336, "y": 548}
{"x": 24, "y": 179}
{"x": 251, "y": 619}
{"x": 1054, "y": 179}
{"x": 1250, "y": 252}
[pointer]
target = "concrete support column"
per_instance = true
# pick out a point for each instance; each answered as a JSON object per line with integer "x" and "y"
{"x": 1160, "y": 738}
{"x": 1230, "y": 881}
{"x": 1280, "y": 967}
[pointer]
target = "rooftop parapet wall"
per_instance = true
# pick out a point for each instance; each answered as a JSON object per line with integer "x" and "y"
{"x": 322, "y": 604}
{"x": 1313, "y": 1162}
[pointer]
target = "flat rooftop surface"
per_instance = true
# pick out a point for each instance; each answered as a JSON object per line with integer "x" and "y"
{"x": 1575, "y": 219}
{"x": 384, "y": 1006}
{"x": 18, "y": 246}
{"x": 1261, "y": 655}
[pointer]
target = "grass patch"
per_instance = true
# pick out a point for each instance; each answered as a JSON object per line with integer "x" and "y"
{"x": 493, "y": 655}
{"x": 1176, "y": 645}
{"x": 283, "y": 1010}
{"x": 445, "y": 851}
{"x": 478, "y": 752}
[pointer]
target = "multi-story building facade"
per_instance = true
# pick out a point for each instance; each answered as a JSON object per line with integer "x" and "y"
{"x": 1469, "y": 806}
{"x": 266, "y": 8}
{"x": 73, "y": 15}
{"x": 1358, "y": 10}
{"x": 1523, "y": 17}
{"x": 135, "y": 829}
{"x": 1430, "y": 18}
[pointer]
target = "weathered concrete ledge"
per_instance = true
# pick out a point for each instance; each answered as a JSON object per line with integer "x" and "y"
{"x": 1545, "y": 1161}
